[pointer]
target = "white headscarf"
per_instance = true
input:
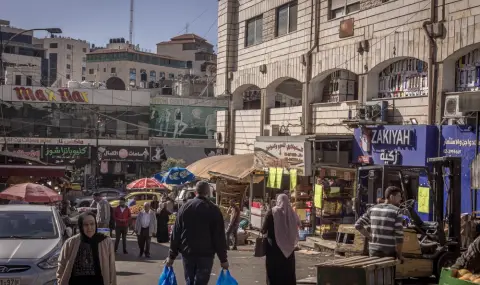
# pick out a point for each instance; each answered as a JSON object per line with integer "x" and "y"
{"x": 286, "y": 223}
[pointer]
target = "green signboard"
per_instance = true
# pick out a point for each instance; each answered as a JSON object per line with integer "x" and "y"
{"x": 174, "y": 121}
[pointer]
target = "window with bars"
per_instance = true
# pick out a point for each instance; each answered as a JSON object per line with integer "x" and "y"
{"x": 254, "y": 31}
{"x": 286, "y": 19}
{"x": 340, "y": 8}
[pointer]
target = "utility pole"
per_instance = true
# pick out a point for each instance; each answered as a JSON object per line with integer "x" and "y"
{"x": 131, "y": 21}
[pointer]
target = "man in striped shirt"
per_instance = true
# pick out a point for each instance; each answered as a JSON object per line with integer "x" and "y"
{"x": 382, "y": 226}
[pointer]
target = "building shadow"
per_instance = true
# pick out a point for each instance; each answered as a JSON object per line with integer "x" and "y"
{"x": 158, "y": 252}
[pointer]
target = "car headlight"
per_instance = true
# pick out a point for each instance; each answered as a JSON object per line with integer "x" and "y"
{"x": 51, "y": 261}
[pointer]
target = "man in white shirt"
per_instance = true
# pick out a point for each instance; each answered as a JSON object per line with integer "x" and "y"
{"x": 145, "y": 228}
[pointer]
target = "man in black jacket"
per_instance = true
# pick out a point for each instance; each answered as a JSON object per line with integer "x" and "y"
{"x": 199, "y": 234}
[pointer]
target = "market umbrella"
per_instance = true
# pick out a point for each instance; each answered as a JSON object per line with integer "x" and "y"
{"x": 175, "y": 176}
{"x": 31, "y": 193}
{"x": 146, "y": 183}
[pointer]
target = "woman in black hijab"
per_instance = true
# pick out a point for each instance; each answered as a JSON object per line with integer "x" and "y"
{"x": 87, "y": 258}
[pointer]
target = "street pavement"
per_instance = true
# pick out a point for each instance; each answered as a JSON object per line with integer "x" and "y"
{"x": 245, "y": 268}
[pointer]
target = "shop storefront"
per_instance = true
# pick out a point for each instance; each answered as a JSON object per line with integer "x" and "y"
{"x": 394, "y": 156}
{"x": 121, "y": 164}
{"x": 287, "y": 162}
{"x": 460, "y": 141}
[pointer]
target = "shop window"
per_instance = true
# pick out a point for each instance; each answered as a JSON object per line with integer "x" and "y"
{"x": 18, "y": 80}
{"x": 404, "y": 78}
{"x": 254, "y": 31}
{"x": 336, "y": 152}
{"x": 286, "y": 19}
{"x": 467, "y": 72}
{"x": 340, "y": 8}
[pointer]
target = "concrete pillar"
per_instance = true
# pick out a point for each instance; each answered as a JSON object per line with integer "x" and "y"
{"x": 236, "y": 103}
{"x": 268, "y": 102}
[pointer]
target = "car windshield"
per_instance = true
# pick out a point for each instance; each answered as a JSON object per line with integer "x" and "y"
{"x": 28, "y": 225}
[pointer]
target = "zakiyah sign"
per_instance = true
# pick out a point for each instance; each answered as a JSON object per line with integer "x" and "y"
{"x": 62, "y": 95}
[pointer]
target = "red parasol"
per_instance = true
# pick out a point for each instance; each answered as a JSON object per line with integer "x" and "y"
{"x": 31, "y": 193}
{"x": 146, "y": 183}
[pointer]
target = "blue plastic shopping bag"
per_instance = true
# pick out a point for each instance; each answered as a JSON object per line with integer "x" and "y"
{"x": 226, "y": 279}
{"x": 167, "y": 277}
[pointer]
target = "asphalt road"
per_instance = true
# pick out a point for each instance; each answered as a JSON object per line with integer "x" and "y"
{"x": 245, "y": 268}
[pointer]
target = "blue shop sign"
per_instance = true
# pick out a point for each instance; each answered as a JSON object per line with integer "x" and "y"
{"x": 396, "y": 145}
{"x": 460, "y": 141}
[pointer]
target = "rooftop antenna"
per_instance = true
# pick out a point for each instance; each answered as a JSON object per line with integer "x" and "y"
{"x": 131, "y": 21}
{"x": 187, "y": 25}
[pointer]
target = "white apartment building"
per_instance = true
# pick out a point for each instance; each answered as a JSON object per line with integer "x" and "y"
{"x": 22, "y": 61}
{"x": 121, "y": 66}
{"x": 192, "y": 48}
{"x": 67, "y": 59}
{"x": 337, "y": 55}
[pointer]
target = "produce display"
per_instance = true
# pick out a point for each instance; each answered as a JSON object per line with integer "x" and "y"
{"x": 464, "y": 274}
{"x": 136, "y": 209}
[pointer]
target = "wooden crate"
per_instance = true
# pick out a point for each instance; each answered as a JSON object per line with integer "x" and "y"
{"x": 357, "y": 270}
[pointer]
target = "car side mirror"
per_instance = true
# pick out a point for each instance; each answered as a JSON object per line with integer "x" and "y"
{"x": 68, "y": 232}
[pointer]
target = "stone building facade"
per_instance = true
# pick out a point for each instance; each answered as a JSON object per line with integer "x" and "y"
{"x": 337, "y": 55}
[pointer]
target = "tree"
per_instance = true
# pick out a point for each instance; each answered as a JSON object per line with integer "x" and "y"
{"x": 173, "y": 162}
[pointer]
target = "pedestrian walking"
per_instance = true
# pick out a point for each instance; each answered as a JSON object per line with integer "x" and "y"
{"x": 198, "y": 234}
{"x": 281, "y": 227}
{"x": 155, "y": 203}
{"x": 103, "y": 211}
{"x": 88, "y": 257}
{"x": 232, "y": 230}
{"x": 145, "y": 228}
{"x": 386, "y": 226}
{"x": 163, "y": 216}
{"x": 122, "y": 219}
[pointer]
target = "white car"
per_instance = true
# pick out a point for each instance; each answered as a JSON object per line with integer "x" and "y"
{"x": 31, "y": 237}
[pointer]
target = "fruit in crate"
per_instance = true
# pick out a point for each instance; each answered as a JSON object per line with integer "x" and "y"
{"x": 136, "y": 209}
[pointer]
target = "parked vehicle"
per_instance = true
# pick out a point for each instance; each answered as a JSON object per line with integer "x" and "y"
{"x": 186, "y": 192}
{"x": 109, "y": 194}
{"x": 31, "y": 238}
{"x": 142, "y": 197}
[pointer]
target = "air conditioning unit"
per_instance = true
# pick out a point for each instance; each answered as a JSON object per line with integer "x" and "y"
{"x": 452, "y": 107}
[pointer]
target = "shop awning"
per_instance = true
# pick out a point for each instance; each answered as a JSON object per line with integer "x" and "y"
{"x": 234, "y": 167}
{"x": 32, "y": 170}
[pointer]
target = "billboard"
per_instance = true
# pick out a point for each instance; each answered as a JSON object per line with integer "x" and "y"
{"x": 185, "y": 118}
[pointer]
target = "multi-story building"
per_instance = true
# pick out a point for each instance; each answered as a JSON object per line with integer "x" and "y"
{"x": 23, "y": 63}
{"x": 376, "y": 71}
{"x": 120, "y": 66}
{"x": 67, "y": 59}
{"x": 192, "y": 48}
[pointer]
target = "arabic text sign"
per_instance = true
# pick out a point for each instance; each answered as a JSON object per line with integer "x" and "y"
{"x": 391, "y": 157}
{"x": 297, "y": 154}
{"x": 124, "y": 153}
{"x": 51, "y": 152}
{"x": 30, "y": 152}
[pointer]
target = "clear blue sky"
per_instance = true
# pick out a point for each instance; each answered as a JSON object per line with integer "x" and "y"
{"x": 98, "y": 20}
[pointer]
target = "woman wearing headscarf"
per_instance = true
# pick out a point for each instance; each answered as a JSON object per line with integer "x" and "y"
{"x": 163, "y": 216}
{"x": 281, "y": 227}
{"x": 88, "y": 257}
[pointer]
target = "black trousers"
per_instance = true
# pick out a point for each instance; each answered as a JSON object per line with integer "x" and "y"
{"x": 232, "y": 232}
{"x": 144, "y": 239}
{"x": 121, "y": 231}
{"x": 197, "y": 269}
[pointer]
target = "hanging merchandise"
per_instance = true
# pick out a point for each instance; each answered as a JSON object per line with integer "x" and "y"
{"x": 104, "y": 167}
{"x": 272, "y": 174}
{"x": 117, "y": 169}
{"x": 278, "y": 179}
{"x": 423, "y": 200}
{"x": 318, "y": 199}
{"x": 293, "y": 179}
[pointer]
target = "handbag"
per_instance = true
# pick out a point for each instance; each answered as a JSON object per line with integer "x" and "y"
{"x": 260, "y": 246}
